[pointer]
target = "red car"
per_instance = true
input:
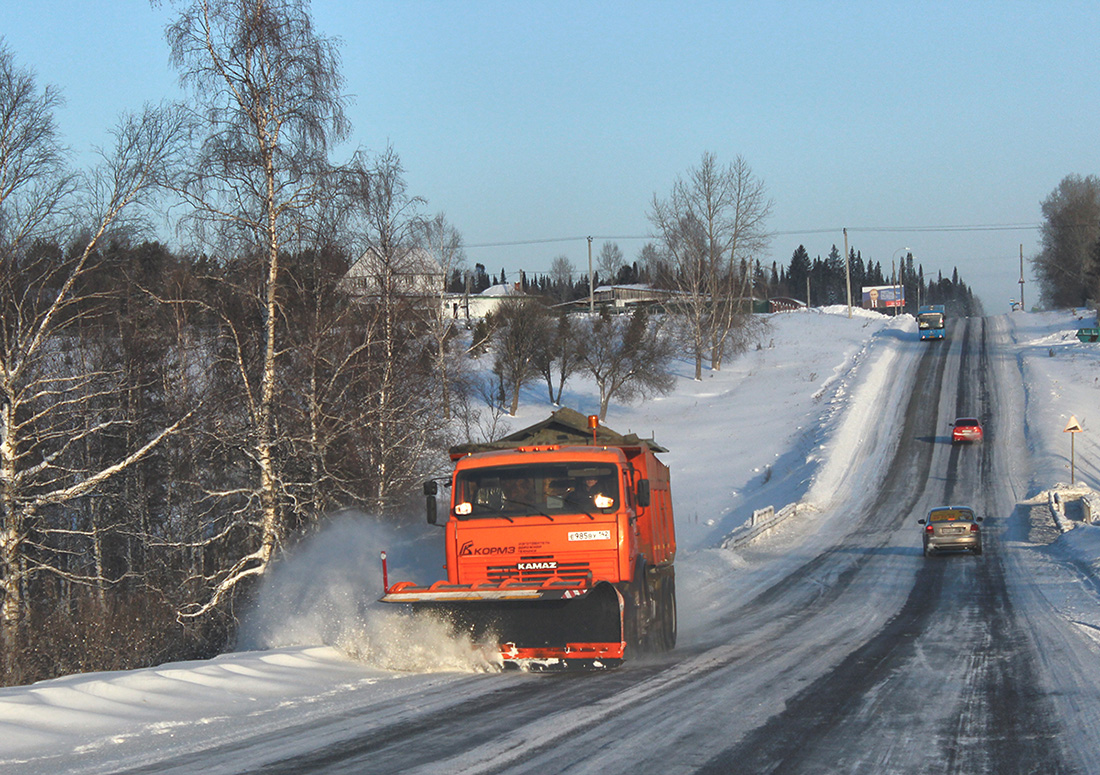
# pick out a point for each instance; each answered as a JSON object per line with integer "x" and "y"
{"x": 966, "y": 429}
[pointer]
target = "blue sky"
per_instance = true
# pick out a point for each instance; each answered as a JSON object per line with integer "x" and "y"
{"x": 553, "y": 121}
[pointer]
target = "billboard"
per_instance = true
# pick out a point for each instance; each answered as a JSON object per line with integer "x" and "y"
{"x": 881, "y": 296}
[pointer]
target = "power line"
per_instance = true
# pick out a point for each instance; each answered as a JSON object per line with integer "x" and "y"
{"x": 546, "y": 241}
{"x": 786, "y": 233}
{"x": 550, "y": 240}
{"x": 984, "y": 227}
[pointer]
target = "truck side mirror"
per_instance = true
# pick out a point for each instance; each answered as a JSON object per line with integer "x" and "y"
{"x": 643, "y": 493}
{"x": 430, "y": 489}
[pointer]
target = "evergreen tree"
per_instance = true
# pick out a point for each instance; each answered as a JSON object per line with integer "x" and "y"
{"x": 799, "y": 270}
{"x": 481, "y": 279}
{"x": 832, "y": 291}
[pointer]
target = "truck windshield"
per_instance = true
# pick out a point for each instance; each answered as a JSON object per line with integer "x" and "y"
{"x": 536, "y": 490}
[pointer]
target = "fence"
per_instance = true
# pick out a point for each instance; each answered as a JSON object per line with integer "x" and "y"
{"x": 761, "y": 521}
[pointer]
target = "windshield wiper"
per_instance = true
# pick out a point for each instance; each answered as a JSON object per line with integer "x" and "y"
{"x": 530, "y": 506}
{"x": 580, "y": 508}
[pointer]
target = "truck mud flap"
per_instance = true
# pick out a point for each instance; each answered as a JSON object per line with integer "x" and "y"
{"x": 547, "y": 632}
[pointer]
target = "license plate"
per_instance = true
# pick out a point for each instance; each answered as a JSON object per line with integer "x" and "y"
{"x": 590, "y": 535}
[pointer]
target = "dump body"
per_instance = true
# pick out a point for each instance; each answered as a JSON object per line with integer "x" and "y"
{"x": 932, "y": 321}
{"x": 558, "y": 551}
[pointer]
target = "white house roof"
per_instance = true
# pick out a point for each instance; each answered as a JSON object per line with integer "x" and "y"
{"x": 504, "y": 289}
{"x": 408, "y": 261}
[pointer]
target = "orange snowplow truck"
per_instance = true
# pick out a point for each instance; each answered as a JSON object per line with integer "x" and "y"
{"x": 560, "y": 546}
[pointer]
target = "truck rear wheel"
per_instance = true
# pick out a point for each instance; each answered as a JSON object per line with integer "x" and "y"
{"x": 665, "y": 624}
{"x": 651, "y": 615}
{"x": 661, "y": 588}
{"x": 670, "y": 611}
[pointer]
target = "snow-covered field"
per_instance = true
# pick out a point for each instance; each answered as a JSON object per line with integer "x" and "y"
{"x": 806, "y": 416}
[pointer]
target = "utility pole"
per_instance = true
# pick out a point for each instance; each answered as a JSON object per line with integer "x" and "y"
{"x": 466, "y": 299}
{"x": 591, "y": 290}
{"x": 894, "y": 277}
{"x": 1022, "y": 307}
{"x": 847, "y": 274}
{"x": 894, "y": 283}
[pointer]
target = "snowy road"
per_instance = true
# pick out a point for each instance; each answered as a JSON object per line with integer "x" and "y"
{"x": 834, "y": 647}
{"x": 864, "y": 657}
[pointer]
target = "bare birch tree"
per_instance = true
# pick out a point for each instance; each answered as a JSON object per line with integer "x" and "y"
{"x": 523, "y": 332}
{"x": 736, "y": 224}
{"x": 713, "y": 225}
{"x": 685, "y": 241}
{"x": 561, "y": 278}
{"x": 400, "y": 300}
{"x": 267, "y": 87}
{"x": 44, "y": 297}
{"x": 441, "y": 241}
{"x": 559, "y": 357}
{"x": 626, "y": 355}
{"x": 609, "y": 261}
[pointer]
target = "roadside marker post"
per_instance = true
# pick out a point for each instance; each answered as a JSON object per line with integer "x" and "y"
{"x": 1073, "y": 427}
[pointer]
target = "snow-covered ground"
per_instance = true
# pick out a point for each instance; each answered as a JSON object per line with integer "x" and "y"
{"x": 806, "y": 416}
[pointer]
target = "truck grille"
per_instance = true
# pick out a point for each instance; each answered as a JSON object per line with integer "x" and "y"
{"x": 539, "y": 568}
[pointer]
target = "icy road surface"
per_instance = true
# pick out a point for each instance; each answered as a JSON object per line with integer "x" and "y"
{"x": 829, "y": 644}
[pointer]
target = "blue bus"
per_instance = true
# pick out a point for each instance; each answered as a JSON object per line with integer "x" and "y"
{"x": 932, "y": 321}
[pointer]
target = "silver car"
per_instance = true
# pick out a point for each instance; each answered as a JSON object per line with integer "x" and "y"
{"x": 951, "y": 527}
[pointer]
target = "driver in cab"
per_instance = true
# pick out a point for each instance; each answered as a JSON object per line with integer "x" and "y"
{"x": 593, "y": 492}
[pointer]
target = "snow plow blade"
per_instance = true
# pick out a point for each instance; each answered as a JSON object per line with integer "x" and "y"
{"x": 535, "y": 627}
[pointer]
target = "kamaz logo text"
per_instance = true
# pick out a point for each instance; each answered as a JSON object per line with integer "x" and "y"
{"x": 547, "y": 565}
{"x": 469, "y": 549}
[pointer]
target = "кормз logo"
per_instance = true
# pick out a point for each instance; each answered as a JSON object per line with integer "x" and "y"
{"x": 469, "y": 549}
